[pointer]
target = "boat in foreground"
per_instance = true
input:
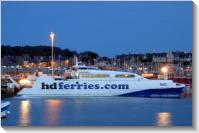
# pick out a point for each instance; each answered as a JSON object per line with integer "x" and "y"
{"x": 4, "y": 109}
{"x": 90, "y": 81}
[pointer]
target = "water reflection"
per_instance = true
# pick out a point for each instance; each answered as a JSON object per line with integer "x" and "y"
{"x": 163, "y": 119}
{"x": 52, "y": 114}
{"x": 24, "y": 113}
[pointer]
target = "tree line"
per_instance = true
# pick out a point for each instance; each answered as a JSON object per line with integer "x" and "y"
{"x": 32, "y": 51}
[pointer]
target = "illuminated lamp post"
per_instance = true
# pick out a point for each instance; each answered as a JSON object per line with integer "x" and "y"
{"x": 164, "y": 70}
{"x": 52, "y": 37}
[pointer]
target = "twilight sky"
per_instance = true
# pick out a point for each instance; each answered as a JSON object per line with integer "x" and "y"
{"x": 107, "y": 28}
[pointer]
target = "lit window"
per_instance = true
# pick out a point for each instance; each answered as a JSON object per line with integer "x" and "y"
{"x": 124, "y": 76}
{"x": 94, "y": 75}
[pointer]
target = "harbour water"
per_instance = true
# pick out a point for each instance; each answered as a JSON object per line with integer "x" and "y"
{"x": 98, "y": 111}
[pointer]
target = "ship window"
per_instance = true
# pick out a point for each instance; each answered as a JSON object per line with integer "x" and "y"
{"x": 124, "y": 76}
{"x": 82, "y": 68}
{"x": 58, "y": 78}
{"x": 178, "y": 84}
{"x": 86, "y": 75}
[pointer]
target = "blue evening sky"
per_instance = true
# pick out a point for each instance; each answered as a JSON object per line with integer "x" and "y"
{"x": 107, "y": 28}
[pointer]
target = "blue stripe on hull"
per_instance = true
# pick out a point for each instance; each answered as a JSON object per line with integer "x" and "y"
{"x": 169, "y": 92}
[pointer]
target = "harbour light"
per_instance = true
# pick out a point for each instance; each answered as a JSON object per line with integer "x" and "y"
{"x": 52, "y": 37}
{"x": 165, "y": 72}
{"x": 164, "y": 69}
{"x": 24, "y": 82}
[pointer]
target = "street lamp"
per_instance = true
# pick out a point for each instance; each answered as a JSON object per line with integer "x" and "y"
{"x": 94, "y": 61}
{"x": 52, "y": 37}
{"x": 164, "y": 70}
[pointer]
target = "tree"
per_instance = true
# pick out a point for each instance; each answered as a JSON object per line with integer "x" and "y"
{"x": 88, "y": 57}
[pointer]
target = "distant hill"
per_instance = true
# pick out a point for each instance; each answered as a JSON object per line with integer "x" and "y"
{"x": 34, "y": 51}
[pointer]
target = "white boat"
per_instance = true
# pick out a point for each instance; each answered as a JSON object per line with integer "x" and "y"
{"x": 8, "y": 86}
{"x": 90, "y": 81}
{"x": 4, "y": 109}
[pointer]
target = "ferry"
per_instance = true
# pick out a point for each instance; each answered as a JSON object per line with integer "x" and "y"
{"x": 91, "y": 81}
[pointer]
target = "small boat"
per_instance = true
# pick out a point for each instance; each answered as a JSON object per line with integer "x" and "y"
{"x": 4, "y": 108}
{"x": 9, "y": 87}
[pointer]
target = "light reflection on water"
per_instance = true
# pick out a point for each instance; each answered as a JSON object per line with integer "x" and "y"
{"x": 52, "y": 113}
{"x": 164, "y": 119}
{"x": 52, "y": 110}
{"x": 24, "y": 113}
{"x": 99, "y": 111}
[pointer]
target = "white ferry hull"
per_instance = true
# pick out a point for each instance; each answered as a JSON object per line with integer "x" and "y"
{"x": 144, "y": 88}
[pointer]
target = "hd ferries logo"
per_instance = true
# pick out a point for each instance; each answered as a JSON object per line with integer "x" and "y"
{"x": 77, "y": 85}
